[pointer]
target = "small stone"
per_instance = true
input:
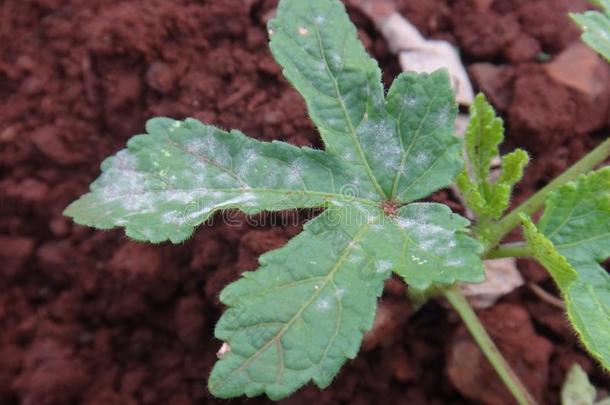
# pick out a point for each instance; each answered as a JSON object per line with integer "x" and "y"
{"x": 579, "y": 68}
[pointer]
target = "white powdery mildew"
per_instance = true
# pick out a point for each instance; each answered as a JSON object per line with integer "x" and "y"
{"x": 295, "y": 173}
{"x": 422, "y": 159}
{"x": 125, "y": 160}
{"x": 323, "y": 304}
{"x": 454, "y": 262}
{"x": 418, "y": 260}
{"x": 179, "y": 196}
{"x": 139, "y": 204}
{"x": 335, "y": 61}
{"x": 319, "y": 20}
{"x": 383, "y": 266}
{"x": 407, "y": 223}
{"x": 173, "y": 218}
{"x": 381, "y": 139}
{"x": 442, "y": 116}
{"x": 340, "y": 292}
{"x": 208, "y": 151}
{"x": 409, "y": 101}
{"x": 355, "y": 258}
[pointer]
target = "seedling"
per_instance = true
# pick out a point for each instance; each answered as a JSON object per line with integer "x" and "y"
{"x": 303, "y": 313}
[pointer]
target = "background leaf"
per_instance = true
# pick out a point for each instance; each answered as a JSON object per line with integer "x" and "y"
{"x": 596, "y": 27}
{"x": 576, "y": 225}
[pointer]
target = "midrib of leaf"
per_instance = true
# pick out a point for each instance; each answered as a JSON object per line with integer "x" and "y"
{"x": 579, "y": 242}
{"x": 352, "y": 130}
{"x": 568, "y": 217}
{"x": 336, "y": 196}
{"x": 406, "y": 153}
{"x": 277, "y": 338}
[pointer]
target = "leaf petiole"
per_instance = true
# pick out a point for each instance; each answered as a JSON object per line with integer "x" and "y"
{"x": 488, "y": 347}
{"x": 516, "y": 249}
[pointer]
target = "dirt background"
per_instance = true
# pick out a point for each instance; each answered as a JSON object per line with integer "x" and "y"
{"x": 89, "y": 317}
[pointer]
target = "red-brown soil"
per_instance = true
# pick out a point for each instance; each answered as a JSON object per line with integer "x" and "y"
{"x": 89, "y": 317}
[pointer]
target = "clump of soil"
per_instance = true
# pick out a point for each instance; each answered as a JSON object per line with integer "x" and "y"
{"x": 90, "y": 317}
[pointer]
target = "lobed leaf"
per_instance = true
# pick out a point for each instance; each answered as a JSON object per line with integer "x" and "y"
{"x": 172, "y": 179}
{"x": 405, "y": 145}
{"x": 485, "y": 133}
{"x": 596, "y": 27}
{"x": 299, "y": 317}
{"x": 576, "y": 227}
{"x": 317, "y": 45}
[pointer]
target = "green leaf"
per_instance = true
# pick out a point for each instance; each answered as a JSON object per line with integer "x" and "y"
{"x": 425, "y": 110}
{"x": 577, "y": 219}
{"x": 545, "y": 252}
{"x": 436, "y": 249}
{"x": 171, "y": 180}
{"x": 318, "y": 47}
{"x": 408, "y": 150}
{"x": 586, "y": 293}
{"x": 577, "y": 390}
{"x": 596, "y": 27}
{"x": 299, "y": 317}
{"x": 576, "y": 227}
{"x": 484, "y": 134}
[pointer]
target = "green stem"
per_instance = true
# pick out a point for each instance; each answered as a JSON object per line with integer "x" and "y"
{"x": 517, "y": 249}
{"x": 488, "y": 347}
{"x": 534, "y": 203}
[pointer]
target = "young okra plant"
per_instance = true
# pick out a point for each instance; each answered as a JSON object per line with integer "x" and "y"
{"x": 303, "y": 313}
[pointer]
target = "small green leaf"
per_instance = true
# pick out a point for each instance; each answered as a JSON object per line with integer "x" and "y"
{"x": 171, "y": 180}
{"x": 575, "y": 235}
{"x": 485, "y": 133}
{"x": 596, "y": 27}
{"x": 513, "y": 165}
{"x": 470, "y": 192}
{"x": 577, "y": 390}
{"x": 299, "y": 317}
